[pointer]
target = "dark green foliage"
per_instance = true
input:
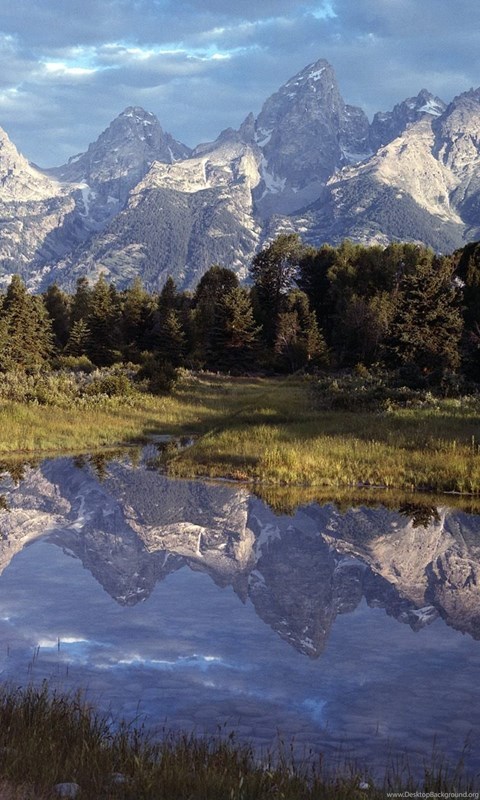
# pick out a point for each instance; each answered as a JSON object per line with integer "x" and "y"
{"x": 399, "y": 307}
{"x": 25, "y": 329}
{"x": 103, "y": 322}
{"x": 81, "y": 300}
{"x": 208, "y": 311}
{"x": 57, "y": 304}
{"x": 274, "y": 271}
{"x": 298, "y": 341}
{"x": 166, "y": 335}
{"x": 233, "y": 341}
{"x": 168, "y": 338}
{"x": 159, "y": 375}
{"x": 468, "y": 274}
{"x": 314, "y": 279}
{"x": 427, "y": 324}
{"x": 79, "y": 338}
{"x": 137, "y": 310}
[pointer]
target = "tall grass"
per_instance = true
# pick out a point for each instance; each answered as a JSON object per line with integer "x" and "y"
{"x": 268, "y": 430}
{"x": 46, "y": 739}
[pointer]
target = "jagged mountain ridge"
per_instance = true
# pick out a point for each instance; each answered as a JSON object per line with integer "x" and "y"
{"x": 138, "y": 202}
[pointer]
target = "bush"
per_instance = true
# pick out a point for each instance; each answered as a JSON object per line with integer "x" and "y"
{"x": 74, "y": 363}
{"x": 110, "y": 385}
{"x": 159, "y": 376}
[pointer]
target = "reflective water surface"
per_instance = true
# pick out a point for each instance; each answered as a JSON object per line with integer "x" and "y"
{"x": 198, "y": 606}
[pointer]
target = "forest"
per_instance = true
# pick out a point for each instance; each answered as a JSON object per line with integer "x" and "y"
{"x": 401, "y": 309}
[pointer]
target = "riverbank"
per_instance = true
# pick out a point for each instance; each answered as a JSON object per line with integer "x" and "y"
{"x": 267, "y": 430}
{"x": 50, "y": 740}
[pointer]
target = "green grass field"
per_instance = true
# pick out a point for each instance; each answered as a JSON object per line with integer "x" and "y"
{"x": 270, "y": 431}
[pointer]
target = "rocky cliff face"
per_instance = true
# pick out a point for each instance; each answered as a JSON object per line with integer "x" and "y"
{"x": 421, "y": 186}
{"x": 36, "y": 213}
{"x": 179, "y": 219}
{"x": 134, "y": 527}
{"x": 138, "y": 202}
{"x": 306, "y": 132}
{"x": 122, "y": 155}
{"x": 387, "y": 126}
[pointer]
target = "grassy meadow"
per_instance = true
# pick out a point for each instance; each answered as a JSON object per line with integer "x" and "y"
{"x": 269, "y": 431}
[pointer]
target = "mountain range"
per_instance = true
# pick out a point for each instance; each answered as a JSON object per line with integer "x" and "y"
{"x": 138, "y": 202}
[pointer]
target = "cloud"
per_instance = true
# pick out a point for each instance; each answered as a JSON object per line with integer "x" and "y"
{"x": 67, "y": 69}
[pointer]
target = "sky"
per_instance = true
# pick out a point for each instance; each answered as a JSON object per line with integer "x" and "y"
{"x": 68, "y": 67}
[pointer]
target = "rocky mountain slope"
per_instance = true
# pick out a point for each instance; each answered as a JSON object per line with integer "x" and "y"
{"x": 134, "y": 527}
{"x": 181, "y": 218}
{"x": 138, "y": 202}
{"x": 422, "y": 185}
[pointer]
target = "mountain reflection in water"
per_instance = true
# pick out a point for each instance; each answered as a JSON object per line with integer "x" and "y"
{"x": 228, "y": 612}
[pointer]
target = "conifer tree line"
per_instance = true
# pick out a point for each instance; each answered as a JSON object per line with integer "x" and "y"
{"x": 400, "y": 306}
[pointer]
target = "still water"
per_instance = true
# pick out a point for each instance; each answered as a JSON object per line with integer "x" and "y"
{"x": 195, "y": 606}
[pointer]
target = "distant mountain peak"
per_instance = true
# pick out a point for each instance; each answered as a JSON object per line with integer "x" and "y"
{"x": 387, "y": 125}
{"x": 123, "y": 154}
{"x": 306, "y": 132}
{"x": 137, "y": 201}
{"x": 312, "y": 72}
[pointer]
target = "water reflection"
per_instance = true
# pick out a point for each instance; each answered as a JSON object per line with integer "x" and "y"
{"x": 226, "y": 610}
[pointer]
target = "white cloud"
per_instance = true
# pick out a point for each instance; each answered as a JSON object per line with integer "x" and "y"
{"x": 66, "y": 69}
{"x": 59, "y": 69}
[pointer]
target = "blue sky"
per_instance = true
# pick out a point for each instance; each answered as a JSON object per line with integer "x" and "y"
{"x": 68, "y": 67}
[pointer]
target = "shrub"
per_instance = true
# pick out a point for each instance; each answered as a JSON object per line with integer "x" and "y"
{"x": 159, "y": 376}
{"x": 74, "y": 363}
{"x": 111, "y": 385}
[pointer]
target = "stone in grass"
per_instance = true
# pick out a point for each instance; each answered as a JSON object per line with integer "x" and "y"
{"x": 66, "y": 789}
{"x": 118, "y": 777}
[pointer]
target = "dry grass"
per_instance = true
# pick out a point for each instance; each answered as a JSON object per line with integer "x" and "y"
{"x": 10, "y": 792}
{"x": 271, "y": 431}
{"x": 49, "y": 738}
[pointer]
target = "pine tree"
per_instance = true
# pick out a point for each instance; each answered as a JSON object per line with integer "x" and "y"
{"x": 78, "y": 341}
{"x": 169, "y": 338}
{"x": 274, "y": 271}
{"x": 427, "y": 324}
{"x": 81, "y": 300}
{"x": 233, "y": 341}
{"x": 135, "y": 319}
{"x": 57, "y": 304}
{"x": 104, "y": 323}
{"x": 26, "y": 335}
{"x": 298, "y": 341}
{"x": 213, "y": 287}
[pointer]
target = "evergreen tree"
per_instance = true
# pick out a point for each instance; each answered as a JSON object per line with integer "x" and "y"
{"x": 57, "y": 304}
{"x": 274, "y": 271}
{"x": 169, "y": 338}
{"x": 208, "y": 313}
{"x": 298, "y": 341}
{"x": 103, "y": 322}
{"x": 26, "y": 330}
{"x": 78, "y": 341}
{"x": 427, "y": 323}
{"x": 314, "y": 279}
{"x": 81, "y": 300}
{"x": 135, "y": 319}
{"x": 233, "y": 340}
{"x": 168, "y": 299}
